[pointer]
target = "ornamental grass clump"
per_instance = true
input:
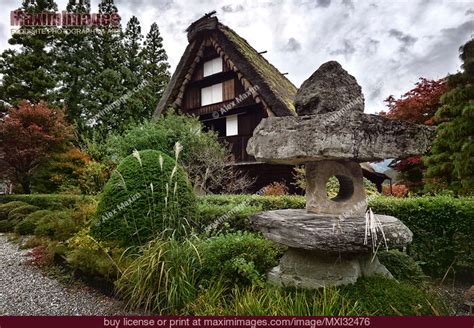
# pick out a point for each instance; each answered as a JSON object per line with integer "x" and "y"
{"x": 148, "y": 195}
{"x": 163, "y": 278}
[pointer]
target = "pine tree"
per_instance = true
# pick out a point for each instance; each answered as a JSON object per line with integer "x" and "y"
{"x": 451, "y": 163}
{"x": 106, "y": 90}
{"x": 27, "y": 72}
{"x": 132, "y": 109}
{"x": 155, "y": 69}
{"x": 74, "y": 56}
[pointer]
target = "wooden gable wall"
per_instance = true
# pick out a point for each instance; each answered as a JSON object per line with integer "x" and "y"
{"x": 232, "y": 87}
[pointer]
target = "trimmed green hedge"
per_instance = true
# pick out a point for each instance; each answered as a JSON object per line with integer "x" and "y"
{"x": 230, "y": 213}
{"x": 265, "y": 203}
{"x": 442, "y": 226}
{"x": 48, "y": 201}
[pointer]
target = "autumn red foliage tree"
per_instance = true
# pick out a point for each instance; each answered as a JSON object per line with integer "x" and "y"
{"x": 419, "y": 105}
{"x": 29, "y": 133}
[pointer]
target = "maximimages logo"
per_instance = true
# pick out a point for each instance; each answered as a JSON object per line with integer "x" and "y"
{"x": 45, "y": 19}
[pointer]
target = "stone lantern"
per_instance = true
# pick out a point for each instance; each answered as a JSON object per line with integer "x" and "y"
{"x": 333, "y": 241}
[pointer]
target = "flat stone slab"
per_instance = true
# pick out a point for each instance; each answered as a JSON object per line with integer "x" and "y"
{"x": 341, "y": 135}
{"x": 297, "y": 228}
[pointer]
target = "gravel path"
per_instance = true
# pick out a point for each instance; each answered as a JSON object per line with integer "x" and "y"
{"x": 25, "y": 290}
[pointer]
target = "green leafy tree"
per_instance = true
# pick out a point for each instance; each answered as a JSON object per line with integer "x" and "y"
{"x": 451, "y": 163}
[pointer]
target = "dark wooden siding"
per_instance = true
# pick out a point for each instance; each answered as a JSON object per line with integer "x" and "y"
{"x": 228, "y": 89}
{"x": 192, "y": 98}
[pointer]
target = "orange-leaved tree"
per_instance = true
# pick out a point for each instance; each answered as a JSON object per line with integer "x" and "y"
{"x": 29, "y": 133}
{"x": 418, "y": 105}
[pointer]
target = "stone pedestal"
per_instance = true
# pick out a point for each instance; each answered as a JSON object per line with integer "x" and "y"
{"x": 327, "y": 250}
{"x": 307, "y": 269}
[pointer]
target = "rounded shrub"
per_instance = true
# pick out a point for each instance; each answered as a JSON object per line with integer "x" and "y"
{"x": 6, "y": 226}
{"x": 57, "y": 225}
{"x": 28, "y": 225}
{"x": 6, "y": 208}
{"x": 21, "y": 212}
{"x": 147, "y": 195}
{"x": 25, "y": 227}
{"x": 401, "y": 266}
{"x": 240, "y": 258}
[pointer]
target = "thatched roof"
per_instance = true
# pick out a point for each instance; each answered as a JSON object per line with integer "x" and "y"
{"x": 276, "y": 91}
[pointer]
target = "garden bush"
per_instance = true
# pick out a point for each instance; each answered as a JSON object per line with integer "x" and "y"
{"x": 204, "y": 157}
{"x": 6, "y": 208}
{"x": 7, "y": 226}
{"x": 57, "y": 225}
{"x": 93, "y": 260}
{"x": 240, "y": 258}
{"x": 148, "y": 195}
{"x": 264, "y": 203}
{"x": 378, "y": 295}
{"x": 28, "y": 225}
{"x": 442, "y": 229}
{"x": 47, "y": 201}
{"x": 19, "y": 213}
{"x": 225, "y": 218}
{"x": 92, "y": 264}
{"x": 402, "y": 266}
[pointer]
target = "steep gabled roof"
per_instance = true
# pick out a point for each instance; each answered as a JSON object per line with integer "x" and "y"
{"x": 273, "y": 87}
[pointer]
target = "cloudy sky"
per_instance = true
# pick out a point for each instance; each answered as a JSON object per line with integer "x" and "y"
{"x": 386, "y": 45}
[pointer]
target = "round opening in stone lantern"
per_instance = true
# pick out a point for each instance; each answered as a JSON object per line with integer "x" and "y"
{"x": 331, "y": 242}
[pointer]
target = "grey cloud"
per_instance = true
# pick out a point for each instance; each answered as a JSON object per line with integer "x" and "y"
{"x": 292, "y": 45}
{"x": 444, "y": 52}
{"x": 232, "y": 8}
{"x": 347, "y": 48}
{"x": 469, "y": 12}
{"x": 372, "y": 46}
{"x": 348, "y": 3}
{"x": 406, "y": 39}
{"x": 375, "y": 90}
{"x": 323, "y": 3}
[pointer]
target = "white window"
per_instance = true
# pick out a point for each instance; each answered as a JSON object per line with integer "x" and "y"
{"x": 231, "y": 125}
{"x": 211, "y": 95}
{"x": 212, "y": 66}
